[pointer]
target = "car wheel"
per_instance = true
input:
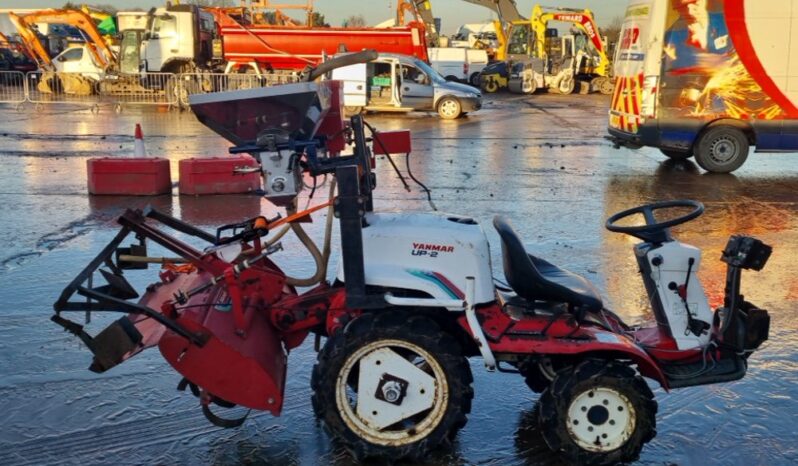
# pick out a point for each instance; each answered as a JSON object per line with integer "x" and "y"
{"x": 449, "y": 108}
{"x": 721, "y": 149}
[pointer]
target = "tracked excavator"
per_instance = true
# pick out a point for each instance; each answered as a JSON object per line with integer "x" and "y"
{"x": 100, "y": 55}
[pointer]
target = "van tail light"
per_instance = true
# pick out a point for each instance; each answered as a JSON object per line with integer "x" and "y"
{"x": 465, "y": 70}
{"x": 648, "y": 106}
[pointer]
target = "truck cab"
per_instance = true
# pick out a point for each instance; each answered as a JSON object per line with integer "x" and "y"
{"x": 175, "y": 39}
{"x": 401, "y": 83}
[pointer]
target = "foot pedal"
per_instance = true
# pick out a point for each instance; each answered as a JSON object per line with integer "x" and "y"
{"x": 729, "y": 368}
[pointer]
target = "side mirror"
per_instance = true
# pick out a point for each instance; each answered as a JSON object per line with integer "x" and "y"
{"x": 62, "y": 59}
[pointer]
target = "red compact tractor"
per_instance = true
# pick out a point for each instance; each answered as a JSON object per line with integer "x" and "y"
{"x": 412, "y": 299}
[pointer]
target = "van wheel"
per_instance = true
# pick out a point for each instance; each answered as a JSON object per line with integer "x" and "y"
{"x": 721, "y": 149}
{"x": 676, "y": 154}
{"x": 474, "y": 79}
{"x": 452, "y": 78}
{"x": 449, "y": 108}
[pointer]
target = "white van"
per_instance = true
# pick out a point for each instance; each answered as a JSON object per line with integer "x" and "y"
{"x": 707, "y": 79}
{"x": 458, "y": 64}
{"x": 401, "y": 83}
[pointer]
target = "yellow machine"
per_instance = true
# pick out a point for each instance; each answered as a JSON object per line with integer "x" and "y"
{"x": 521, "y": 39}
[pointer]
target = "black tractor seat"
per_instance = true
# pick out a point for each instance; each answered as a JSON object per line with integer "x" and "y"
{"x": 535, "y": 279}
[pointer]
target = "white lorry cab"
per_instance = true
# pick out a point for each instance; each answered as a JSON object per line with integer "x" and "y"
{"x": 401, "y": 83}
{"x": 707, "y": 79}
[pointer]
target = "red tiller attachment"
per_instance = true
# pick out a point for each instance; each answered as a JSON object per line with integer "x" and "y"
{"x": 210, "y": 318}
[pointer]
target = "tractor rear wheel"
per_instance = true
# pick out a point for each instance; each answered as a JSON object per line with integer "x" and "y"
{"x": 598, "y": 413}
{"x": 392, "y": 386}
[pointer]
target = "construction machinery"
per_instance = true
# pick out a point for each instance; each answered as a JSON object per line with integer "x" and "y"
{"x": 79, "y": 69}
{"x": 538, "y": 54}
{"x": 413, "y": 297}
{"x": 422, "y": 12}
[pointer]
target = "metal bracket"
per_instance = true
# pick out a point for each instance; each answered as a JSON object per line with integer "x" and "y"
{"x": 476, "y": 329}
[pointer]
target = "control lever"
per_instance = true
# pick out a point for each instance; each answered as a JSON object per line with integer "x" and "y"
{"x": 695, "y": 326}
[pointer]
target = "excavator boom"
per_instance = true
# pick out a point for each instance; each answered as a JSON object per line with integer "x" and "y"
{"x": 31, "y": 41}
{"x": 422, "y": 11}
{"x": 100, "y": 51}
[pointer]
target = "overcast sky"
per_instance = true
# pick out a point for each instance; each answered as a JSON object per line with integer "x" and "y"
{"x": 452, "y": 12}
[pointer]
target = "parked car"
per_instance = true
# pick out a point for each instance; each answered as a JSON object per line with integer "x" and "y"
{"x": 401, "y": 83}
{"x": 458, "y": 64}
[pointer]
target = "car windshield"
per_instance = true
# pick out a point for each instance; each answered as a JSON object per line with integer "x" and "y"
{"x": 434, "y": 75}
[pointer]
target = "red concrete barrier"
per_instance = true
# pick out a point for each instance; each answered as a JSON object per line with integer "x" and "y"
{"x": 129, "y": 176}
{"x": 217, "y": 175}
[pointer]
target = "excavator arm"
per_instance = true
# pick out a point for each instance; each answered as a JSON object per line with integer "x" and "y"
{"x": 422, "y": 11}
{"x": 101, "y": 52}
{"x": 31, "y": 41}
{"x": 507, "y": 12}
{"x": 582, "y": 19}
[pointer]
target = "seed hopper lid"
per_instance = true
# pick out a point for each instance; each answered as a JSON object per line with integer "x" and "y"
{"x": 240, "y": 116}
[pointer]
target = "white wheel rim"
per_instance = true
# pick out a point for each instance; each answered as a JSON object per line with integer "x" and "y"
{"x": 449, "y": 108}
{"x": 601, "y": 419}
{"x": 351, "y": 403}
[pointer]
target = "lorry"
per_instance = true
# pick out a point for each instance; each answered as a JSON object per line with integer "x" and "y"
{"x": 706, "y": 80}
{"x": 171, "y": 39}
{"x": 401, "y": 83}
{"x": 268, "y": 48}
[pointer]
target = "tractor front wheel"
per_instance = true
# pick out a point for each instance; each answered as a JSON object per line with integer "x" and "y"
{"x": 392, "y": 386}
{"x": 598, "y": 413}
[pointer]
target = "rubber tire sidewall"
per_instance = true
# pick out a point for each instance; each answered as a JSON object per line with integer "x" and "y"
{"x": 474, "y": 80}
{"x": 703, "y": 147}
{"x": 554, "y": 403}
{"x": 459, "y": 108}
{"x": 417, "y": 330}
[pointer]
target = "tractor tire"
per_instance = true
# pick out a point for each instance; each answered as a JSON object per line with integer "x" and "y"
{"x": 721, "y": 149}
{"x": 422, "y": 363}
{"x": 449, "y": 108}
{"x": 598, "y": 413}
{"x": 676, "y": 154}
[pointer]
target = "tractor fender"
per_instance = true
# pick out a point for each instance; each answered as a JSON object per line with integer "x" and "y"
{"x": 608, "y": 345}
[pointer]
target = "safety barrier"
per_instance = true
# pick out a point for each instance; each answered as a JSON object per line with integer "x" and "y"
{"x": 203, "y": 83}
{"x": 46, "y": 87}
{"x": 12, "y": 87}
{"x": 141, "y": 89}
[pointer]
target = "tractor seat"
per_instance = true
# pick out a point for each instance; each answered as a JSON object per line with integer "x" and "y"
{"x": 535, "y": 279}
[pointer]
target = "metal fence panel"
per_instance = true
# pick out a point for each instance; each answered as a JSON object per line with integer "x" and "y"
{"x": 12, "y": 87}
{"x": 140, "y": 89}
{"x": 203, "y": 83}
{"x": 46, "y": 87}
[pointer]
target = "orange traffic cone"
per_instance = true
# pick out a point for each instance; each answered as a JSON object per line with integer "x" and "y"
{"x": 138, "y": 144}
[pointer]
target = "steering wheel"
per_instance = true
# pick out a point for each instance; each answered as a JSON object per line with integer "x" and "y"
{"x": 653, "y": 231}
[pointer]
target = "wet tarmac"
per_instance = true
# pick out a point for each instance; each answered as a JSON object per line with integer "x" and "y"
{"x": 541, "y": 160}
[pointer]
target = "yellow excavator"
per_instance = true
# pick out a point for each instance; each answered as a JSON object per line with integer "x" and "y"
{"x": 100, "y": 54}
{"x": 422, "y": 11}
{"x": 534, "y": 57}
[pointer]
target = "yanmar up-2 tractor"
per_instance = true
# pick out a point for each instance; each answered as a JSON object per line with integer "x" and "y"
{"x": 412, "y": 299}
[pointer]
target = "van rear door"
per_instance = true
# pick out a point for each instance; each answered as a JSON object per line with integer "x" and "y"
{"x": 638, "y": 59}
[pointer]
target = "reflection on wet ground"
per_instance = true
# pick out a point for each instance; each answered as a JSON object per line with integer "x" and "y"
{"x": 541, "y": 161}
